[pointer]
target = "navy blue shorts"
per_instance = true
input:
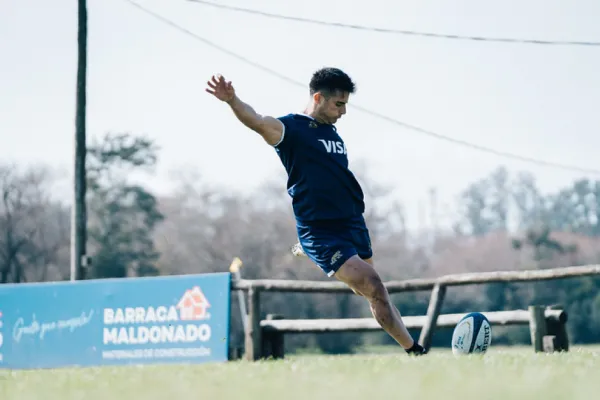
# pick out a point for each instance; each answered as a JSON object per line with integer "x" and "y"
{"x": 329, "y": 244}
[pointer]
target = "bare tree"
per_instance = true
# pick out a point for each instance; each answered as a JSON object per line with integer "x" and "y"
{"x": 34, "y": 228}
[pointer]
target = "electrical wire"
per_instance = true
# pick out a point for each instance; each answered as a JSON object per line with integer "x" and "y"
{"x": 365, "y": 110}
{"x": 396, "y": 31}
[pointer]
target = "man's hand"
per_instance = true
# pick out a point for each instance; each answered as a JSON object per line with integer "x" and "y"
{"x": 220, "y": 88}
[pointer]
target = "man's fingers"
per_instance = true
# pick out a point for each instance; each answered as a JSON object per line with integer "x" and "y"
{"x": 217, "y": 83}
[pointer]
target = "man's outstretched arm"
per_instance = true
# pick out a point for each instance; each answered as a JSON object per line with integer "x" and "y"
{"x": 271, "y": 129}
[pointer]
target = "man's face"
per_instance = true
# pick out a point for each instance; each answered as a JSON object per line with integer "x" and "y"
{"x": 331, "y": 107}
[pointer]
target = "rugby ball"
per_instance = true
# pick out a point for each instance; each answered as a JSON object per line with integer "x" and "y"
{"x": 472, "y": 335}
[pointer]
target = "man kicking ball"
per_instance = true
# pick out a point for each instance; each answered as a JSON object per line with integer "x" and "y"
{"x": 327, "y": 200}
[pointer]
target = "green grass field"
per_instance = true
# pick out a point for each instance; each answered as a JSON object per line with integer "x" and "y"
{"x": 515, "y": 373}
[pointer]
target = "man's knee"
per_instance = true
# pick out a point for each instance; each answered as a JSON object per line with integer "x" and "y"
{"x": 362, "y": 278}
{"x": 373, "y": 287}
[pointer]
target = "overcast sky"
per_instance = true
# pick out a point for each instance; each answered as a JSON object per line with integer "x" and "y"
{"x": 146, "y": 77}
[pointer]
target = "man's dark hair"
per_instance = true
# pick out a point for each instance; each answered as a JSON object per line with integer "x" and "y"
{"x": 331, "y": 80}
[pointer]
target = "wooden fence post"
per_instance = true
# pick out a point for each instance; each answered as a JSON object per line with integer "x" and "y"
{"x": 236, "y": 351}
{"x": 537, "y": 327}
{"x": 556, "y": 338}
{"x": 253, "y": 342}
{"x": 433, "y": 311}
{"x": 272, "y": 341}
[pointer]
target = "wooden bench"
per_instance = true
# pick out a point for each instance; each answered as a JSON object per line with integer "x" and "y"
{"x": 547, "y": 327}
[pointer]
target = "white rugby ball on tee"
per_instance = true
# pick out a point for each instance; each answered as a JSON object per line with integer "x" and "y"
{"x": 472, "y": 335}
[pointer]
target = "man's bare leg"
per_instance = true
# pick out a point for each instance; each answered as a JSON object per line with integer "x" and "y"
{"x": 364, "y": 281}
{"x": 370, "y": 262}
{"x": 361, "y": 277}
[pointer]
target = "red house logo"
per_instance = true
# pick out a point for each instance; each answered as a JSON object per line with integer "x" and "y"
{"x": 193, "y": 306}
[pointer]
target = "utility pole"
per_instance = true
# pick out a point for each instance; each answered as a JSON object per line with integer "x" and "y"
{"x": 78, "y": 213}
{"x": 433, "y": 212}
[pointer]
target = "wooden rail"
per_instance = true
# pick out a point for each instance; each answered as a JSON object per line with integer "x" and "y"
{"x": 281, "y": 285}
{"x": 546, "y": 326}
{"x": 299, "y": 286}
{"x": 438, "y": 286}
{"x": 515, "y": 317}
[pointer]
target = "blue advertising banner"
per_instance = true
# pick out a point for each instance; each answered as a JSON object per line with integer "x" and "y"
{"x": 174, "y": 319}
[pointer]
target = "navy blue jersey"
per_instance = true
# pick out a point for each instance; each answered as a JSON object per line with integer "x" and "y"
{"x": 316, "y": 161}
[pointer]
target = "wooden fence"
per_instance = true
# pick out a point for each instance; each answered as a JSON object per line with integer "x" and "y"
{"x": 546, "y": 324}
